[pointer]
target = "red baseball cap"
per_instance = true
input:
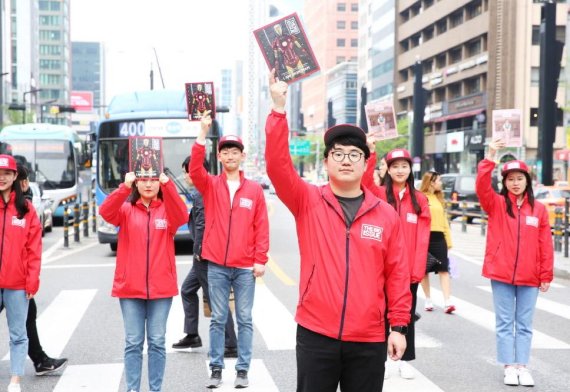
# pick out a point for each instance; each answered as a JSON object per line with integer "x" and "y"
{"x": 514, "y": 166}
{"x": 398, "y": 153}
{"x": 230, "y": 140}
{"x": 344, "y": 130}
{"x": 8, "y": 162}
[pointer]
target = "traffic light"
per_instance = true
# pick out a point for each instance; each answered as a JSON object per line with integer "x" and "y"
{"x": 56, "y": 109}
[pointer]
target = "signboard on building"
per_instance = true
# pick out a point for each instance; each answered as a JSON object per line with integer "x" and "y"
{"x": 464, "y": 104}
{"x": 82, "y": 101}
{"x": 455, "y": 141}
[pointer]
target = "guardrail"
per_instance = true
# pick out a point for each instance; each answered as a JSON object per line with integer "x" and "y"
{"x": 78, "y": 217}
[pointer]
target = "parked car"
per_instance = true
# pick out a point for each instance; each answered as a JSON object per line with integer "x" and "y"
{"x": 42, "y": 204}
{"x": 458, "y": 188}
{"x": 552, "y": 197}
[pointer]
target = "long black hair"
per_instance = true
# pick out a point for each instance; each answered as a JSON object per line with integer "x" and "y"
{"x": 528, "y": 191}
{"x": 20, "y": 200}
{"x": 135, "y": 195}
{"x": 389, "y": 184}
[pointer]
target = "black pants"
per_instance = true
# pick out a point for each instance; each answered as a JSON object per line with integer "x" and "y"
{"x": 35, "y": 350}
{"x": 196, "y": 278}
{"x": 323, "y": 363}
{"x": 410, "y": 353}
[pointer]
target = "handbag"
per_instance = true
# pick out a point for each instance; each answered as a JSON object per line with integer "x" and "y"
{"x": 432, "y": 263}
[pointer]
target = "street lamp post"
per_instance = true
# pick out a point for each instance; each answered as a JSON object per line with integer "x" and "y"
{"x": 33, "y": 91}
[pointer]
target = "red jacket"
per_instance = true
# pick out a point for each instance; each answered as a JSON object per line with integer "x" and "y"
{"x": 345, "y": 271}
{"x": 519, "y": 250}
{"x": 20, "y": 248}
{"x": 416, "y": 227}
{"x": 236, "y": 235}
{"x": 146, "y": 266}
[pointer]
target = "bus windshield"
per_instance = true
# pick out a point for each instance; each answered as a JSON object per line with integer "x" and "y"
{"x": 113, "y": 161}
{"x": 51, "y": 163}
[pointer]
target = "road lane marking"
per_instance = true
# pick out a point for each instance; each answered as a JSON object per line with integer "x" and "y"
{"x": 397, "y": 383}
{"x": 175, "y": 323}
{"x": 58, "y": 321}
{"x": 278, "y": 271}
{"x": 67, "y": 253}
{"x": 547, "y": 305}
{"x": 48, "y": 252}
{"x": 259, "y": 377}
{"x": 91, "y": 378}
{"x": 486, "y": 319}
{"x": 465, "y": 257}
{"x": 273, "y": 320}
{"x": 97, "y": 265}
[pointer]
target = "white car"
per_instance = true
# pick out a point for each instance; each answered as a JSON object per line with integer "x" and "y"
{"x": 42, "y": 204}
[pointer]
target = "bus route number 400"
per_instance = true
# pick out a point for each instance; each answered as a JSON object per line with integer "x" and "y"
{"x": 131, "y": 128}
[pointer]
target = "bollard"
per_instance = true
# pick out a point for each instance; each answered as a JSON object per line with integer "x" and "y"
{"x": 76, "y": 222}
{"x": 464, "y": 217}
{"x": 65, "y": 227}
{"x": 85, "y": 220}
{"x": 483, "y": 223}
{"x": 557, "y": 229}
{"x": 94, "y": 215}
{"x": 566, "y": 207}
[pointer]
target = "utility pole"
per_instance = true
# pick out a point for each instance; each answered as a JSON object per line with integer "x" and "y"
{"x": 151, "y": 78}
{"x": 419, "y": 106}
{"x": 549, "y": 71}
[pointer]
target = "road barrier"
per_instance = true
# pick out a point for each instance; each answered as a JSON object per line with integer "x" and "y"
{"x": 85, "y": 218}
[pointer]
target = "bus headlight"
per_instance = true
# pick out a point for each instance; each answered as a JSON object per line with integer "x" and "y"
{"x": 105, "y": 227}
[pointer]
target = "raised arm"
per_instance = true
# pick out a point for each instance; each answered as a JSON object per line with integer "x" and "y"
{"x": 110, "y": 210}
{"x": 483, "y": 184}
{"x": 198, "y": 173}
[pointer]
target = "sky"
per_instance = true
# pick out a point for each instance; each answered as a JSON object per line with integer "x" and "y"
{"x": 193, "y": 39}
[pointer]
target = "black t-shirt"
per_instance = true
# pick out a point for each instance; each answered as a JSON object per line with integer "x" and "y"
{"x": 350, "y": 206}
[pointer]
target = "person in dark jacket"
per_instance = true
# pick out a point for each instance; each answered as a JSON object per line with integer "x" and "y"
{"x": 198, "y": 278}
{"x": 519, "y": 259}
{"x": 20, "y": 258}
{"x": 42, "y": 362}
{"x": 145, "y": 275}
{"x": 353, "y": 261}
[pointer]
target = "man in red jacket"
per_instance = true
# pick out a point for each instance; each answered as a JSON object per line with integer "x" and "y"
{"x": 353, "y": 261}
{"x": 236, "y": 241}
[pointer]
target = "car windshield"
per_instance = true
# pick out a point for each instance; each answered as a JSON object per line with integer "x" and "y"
{"x": 467, "y": 184}
{"x": 560, "y": 193}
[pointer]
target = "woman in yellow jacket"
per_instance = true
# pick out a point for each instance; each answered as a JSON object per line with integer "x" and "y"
{"x": 439, "y": 240}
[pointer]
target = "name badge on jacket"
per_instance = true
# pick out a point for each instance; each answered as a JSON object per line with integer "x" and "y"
{"x": 18, "y": 222}
{"x": 372, "y": 232}
{"x": 412, "y": 218}
{"x": 245, "y": 203}
{"x": 532, "y": 221}
{"x": 160, "y": 224}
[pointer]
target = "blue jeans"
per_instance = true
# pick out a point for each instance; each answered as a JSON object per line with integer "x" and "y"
{"x": 514, "y": 310}
{"x": 220, "y": 280}
{"x": 136, "y": 314}
{"x": 16, "y": 305}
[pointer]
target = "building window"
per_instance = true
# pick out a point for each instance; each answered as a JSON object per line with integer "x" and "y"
{"x": 456, "y": 19}
{"x": 415, "y": 40}
{"x": 340, "y": 59}
{"x": 354, "y": 42}
{"x": 439, "y": 95}
{"x": 415, "y": 9}
{"x": 340, "y": 24}
{"x": 341, "y": 6}
{"x": 440, "y": 61}
{"x": 404, "y": 75}
{"x": 44, "y": 5}
{"x": 474, "y": 9}
{"x": 340, "y": 42}
{"x": 428, "y": 3}
{"x": 534, "y": 76}
{"x": 428, "y": 33}
{"x": 535, "y": 35}
{"x": 354, "y": 7}
{"x": 441, "y": 26}
{"x": 354, "y": 25}
{"x": 455, "y": 55}
{"x": 405, "y": 46}
{"x": 353, "y": 58}
{"x": 472, "y": 85}
{"x": 454, "y": 90}
{"x": 473, "y": 47}
{"x": 55, "y": 6}
{"x": 427, "y": 66}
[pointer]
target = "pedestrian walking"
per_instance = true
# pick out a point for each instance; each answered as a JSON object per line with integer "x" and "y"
{"x": 352, "y": 256}
{"x": 236, "y": 242}
{"x": 412, "y": 208}
{"x": 439, "y": 240}
{"x": 20, "y": 259}
{"x": 518, "y": 259}
{"x": 148, "y": 213}
{"x": 43, "y": 364}
{"x": 198, "y": 278}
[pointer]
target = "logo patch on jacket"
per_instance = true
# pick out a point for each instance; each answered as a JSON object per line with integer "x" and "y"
{"x": 160, "y": 224}
{"x": 245, "y": 203}
{"x": 18, "y": 222}
{"x": 372, "y": 232}
{"x": 411, "y": 218}
{"x": 532, "y": 221}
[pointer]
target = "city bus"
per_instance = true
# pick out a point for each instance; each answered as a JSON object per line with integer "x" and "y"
{"x": 52, "y": 154}
{"x": 154, "y": 113}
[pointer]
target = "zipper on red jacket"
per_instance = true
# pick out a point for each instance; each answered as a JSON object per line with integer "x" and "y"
{"x": 3, "y": 231}
{"x": 518, "y": 245}
{"x": 228, "y": 241}
{"x": 148, "y": 251}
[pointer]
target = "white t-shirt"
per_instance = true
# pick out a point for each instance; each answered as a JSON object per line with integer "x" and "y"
{"x": 233, "y": 185}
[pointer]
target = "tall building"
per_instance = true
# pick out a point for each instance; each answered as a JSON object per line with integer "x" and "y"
{"x": 476, "y": 56}
{"x": 332, "y": 29}
{"x": 5, "y": 58}
{"x": 54, "y": 54}
{"x": 342, "y": 91}
{"x": 88, "y": 73}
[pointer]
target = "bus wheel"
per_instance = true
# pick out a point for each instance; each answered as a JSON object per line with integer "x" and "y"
{"x": 113, "y": 247}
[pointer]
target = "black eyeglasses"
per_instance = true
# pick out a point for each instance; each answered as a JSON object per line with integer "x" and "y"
{"x": 353, "y": 156}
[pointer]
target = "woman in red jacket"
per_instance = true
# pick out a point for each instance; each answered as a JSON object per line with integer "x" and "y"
{"x": 20, "y": 259}
{"x": 145, "y": 275}
{"x": 518, "y": 259}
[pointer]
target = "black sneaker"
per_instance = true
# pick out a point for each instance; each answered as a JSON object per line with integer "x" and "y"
{"x": 215, "y": 378}
{"x": 49, "y": 366}
{"x": 230, "y": 352}
{"x": 417, "y": 317}
{"x": 241, "y": 379}
{"x": 188, "y": 341}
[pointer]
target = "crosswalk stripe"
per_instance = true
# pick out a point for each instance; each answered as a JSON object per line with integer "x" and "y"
{"x": 486, "y": 319}
{"x": 59, "y": 320}
{"x": 397, "y": 383}
{"x": 424, "y": 341}
{"x": 273, "y": 320}
{"x": 91, "y": 378}
{"x": 259, "y": 378}
{"x": 547, "y": 305}
{"x": 175, "y": 323}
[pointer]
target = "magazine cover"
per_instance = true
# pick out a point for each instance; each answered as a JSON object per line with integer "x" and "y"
{"x": 507, "y": 125}
{"x": 381, "y": 119}
{"x": 199, "y": 99}
{"x": 285, "y": 47}
{"x": 145, "y": 156}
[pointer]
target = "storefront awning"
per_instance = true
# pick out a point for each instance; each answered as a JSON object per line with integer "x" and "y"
{"x": 453, "y": 116}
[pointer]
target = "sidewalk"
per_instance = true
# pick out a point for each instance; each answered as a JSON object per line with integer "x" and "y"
{"x": 472, "y": 244}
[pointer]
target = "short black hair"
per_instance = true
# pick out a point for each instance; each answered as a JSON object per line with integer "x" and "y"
{"x": 22, "y": 172}
{"x": 186, "y": 164}
{"x": 348, "y": 141}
